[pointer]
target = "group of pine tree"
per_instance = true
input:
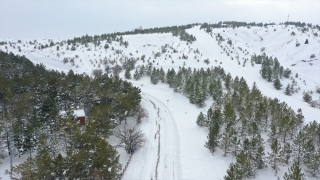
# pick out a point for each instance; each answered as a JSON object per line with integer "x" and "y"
{"x": 240, "y": 117}
{"x": 31, "y": 99}
{"x": 272, "y": 71}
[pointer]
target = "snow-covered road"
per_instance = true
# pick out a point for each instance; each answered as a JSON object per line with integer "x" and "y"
{"x": 159, "y": 158}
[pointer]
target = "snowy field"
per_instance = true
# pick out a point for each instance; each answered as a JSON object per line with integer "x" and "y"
{"x": 175, "y": 144}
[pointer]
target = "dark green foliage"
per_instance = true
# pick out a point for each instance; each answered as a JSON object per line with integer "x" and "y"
{"x": 213, "y": 137}
{"x": 275, "y": 156}
{"x": 136, "y": 75}
{"x": 277, "y": 84}
{"x": 298, "y": 145}
{"x": 127, "y": 74}
{"x": 155, "y": 76}
{"x": 286, "y": 73}
{"x": 234, "y": 172}
{"x": 118, "y": 36}
{"x": 287, "y": 90}
{"x": 307, "y": 97}
{"x": 201, "y": 120}
{"x": 89, "y": 157}
{"x": 33, "y": 97}
{"x": 294, "y": 173}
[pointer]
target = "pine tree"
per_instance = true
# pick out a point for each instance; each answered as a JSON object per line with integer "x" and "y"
{"x": 213, "y": 137}
{"x": 136, "y": 75}
{"x": 308, "y": 151}
{"x": 201, "y": 120}
{"x": 200, "y": 95}
{"x": 26, "y": 170}
{"x": 287, "y": 90}
{"x": 227, "y": 136}
{"x": 307, "y": 97}
{"x": 154, "y": 76}
{"x": 313, "y": 166}
{"x": 275, "y": 157}
{"x": 244, "y": 161}
{"x": 225, "y": 143}
{"x": 236, "y": 145}
{"x": 233, "y": 173}
{"x": 298, "y": 144}
{"x": 287, "y": 150}
{"x": 162, "y": 75}
{"x": 294, "y": 173}
{"x": 259, "y": 159}
{"x": 127, "y": 74}
{"x": 277, "y": 84}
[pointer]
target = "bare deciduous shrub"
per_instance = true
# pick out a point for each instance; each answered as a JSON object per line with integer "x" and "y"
{"x": 96, "y": 72}
{"x": 318, "y": 89}
{"x": 65, "y": 60}
{"x": 129, "y": 137}
{"x": 116, "y": 70}
{"x": 107, "y": 69}
{"x": 72, "y": 61}
{"x": 207, "y": 61}
{"x": 313, "y": 103}
{"x": 140, "y": 114}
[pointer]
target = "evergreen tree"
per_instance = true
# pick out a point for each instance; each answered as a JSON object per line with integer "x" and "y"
{"x": 170, "y": 77}
{"x": 201, "y": 120}
{"x": 233, "y": 173}
{"x": 313, "y": 166}
{"x": 294, "y": 173}
{"x": 227, "y": 136}
{"x": 259, "y": 159}
{"x": 287, "y": 90}
{"x": 154, "y": 76}
{"x": 127, "y": 74}
{"x": 213, "y": 137}
{"x": 287, "y": 150}
{"x": 162, "y": 75}
{"x": 200, "y": 94}
{"x": 276, "y": 156}
{"x": 236, "y": 145}
{"x": 298, "y": 144}
{"x": 136, "y": 75}
{"x": 308, "y": 151}
{"x": 286, "y": 73}
{"x": 225, "y": 143}
{"x": 277, "y": 84}
{"x": 307, "y": 97}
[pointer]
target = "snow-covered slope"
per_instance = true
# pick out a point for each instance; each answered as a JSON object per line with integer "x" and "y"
{"x": 182, "y": 154}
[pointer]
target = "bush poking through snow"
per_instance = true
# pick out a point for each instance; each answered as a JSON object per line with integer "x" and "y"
{"x": 312, "y": 56}
{"x": 318, "y": 89}
{"x": 65, "y": 60}
{"x": 207, "y": 61}
{"x": 307, "y": 97}
{"x": 313, "y": 103}
{"x": 96, "y": 72}
{"x": 141, "y": 113}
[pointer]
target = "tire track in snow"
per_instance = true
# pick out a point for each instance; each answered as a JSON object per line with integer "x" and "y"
{"x": 143, "y": 161}
{"x": 144, "y": 164}
{"x": 169, "y": 163}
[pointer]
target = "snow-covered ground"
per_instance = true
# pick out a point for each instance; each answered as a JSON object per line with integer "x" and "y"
{"x": 171, "y": 130}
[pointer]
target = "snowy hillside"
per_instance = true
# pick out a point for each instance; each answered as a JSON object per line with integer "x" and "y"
{"x": 175, "y": 144}
{"x": 276, "y": 39}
